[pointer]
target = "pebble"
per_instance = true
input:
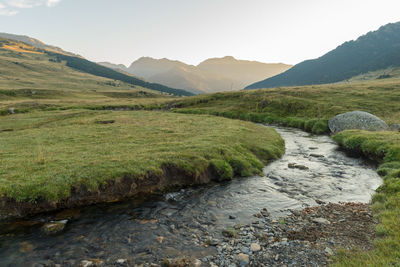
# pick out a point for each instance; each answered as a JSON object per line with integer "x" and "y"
{"x": 196, "y": 263}
{"x": 329, "y": 251}
{"x": 321, "y": 220}
{"x": 243, "y": 259}
{"x": 255, "y": 247}
{"x": 214, "y": 242}
{"x": 160, "y": 239}
{"x": 122, "y": 261}
{"x": 277, "y": 244}
{"x": 91, "y": 262}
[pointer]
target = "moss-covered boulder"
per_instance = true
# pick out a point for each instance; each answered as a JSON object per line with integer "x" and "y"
{"x": 356, "y": 120}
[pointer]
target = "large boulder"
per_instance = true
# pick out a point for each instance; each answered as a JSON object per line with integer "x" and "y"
{"x": 395, "y": 127}
{"x": 356, "y": 120}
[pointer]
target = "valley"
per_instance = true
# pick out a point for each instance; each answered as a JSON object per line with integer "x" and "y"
{"x": 168, "y": 164}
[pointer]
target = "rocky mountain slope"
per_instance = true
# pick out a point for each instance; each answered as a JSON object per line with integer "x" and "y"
{"x": 374, "y": 51}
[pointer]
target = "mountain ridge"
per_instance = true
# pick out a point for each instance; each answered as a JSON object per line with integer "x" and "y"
{"x": 210, "y": 75}
{"x": 375, "y": 50}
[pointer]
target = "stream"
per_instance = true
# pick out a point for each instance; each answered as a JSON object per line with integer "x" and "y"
{"x": 312, "y": 171}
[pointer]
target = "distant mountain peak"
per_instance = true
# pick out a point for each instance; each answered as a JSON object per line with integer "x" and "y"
{"x": 229, "y": 58}
{"x": 212, "y": 75}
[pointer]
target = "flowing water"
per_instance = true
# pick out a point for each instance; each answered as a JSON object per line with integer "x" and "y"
{"x": 312, "y": 171}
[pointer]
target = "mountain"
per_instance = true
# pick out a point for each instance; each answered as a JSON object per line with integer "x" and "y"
{"x": 113, "y": 66}
{"x": 147, "y": 67}
{"x": 242, "y": 70}
{"x": 80, "y": 64}
{"x": 374, "y": 51}
{"x": 211, "y": 75}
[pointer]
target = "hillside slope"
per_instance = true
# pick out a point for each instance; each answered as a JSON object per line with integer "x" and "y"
{"x": 15, "y": 50}
{"x": 30, "y": 79}
{"x": 374, "y": 51}
{"x": 35, "y": 43}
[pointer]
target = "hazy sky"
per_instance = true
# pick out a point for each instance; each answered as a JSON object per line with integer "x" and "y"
{"x": 120, "y": 31}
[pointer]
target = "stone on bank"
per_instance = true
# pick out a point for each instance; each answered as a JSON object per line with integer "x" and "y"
{"x": 356, "y": 120}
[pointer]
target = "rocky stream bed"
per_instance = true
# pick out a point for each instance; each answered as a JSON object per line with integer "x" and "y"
{"x": 304, "y": 207}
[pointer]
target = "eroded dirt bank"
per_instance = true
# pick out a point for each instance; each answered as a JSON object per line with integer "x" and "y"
{"x": 171, "y": 178}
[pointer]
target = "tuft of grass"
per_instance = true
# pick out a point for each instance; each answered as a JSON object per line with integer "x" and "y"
{"x": 230, "y": 232}
{"x": 384, "y": 147}
{"x": 50, "y": 152}
{"x": 222, "y": 169}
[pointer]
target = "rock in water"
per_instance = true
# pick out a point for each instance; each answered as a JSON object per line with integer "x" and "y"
{"x": 356, "y": 120}
{"x": 54, "y": 227}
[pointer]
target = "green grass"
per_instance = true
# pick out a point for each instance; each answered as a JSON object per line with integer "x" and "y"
{"x": 48, "y": 153}
{"x": 384, "y": 147}
{"x": 308, "y": 107}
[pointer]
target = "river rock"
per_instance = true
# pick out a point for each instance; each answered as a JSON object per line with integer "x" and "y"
{"x": 25, "y": 247}
{"x": 243, "y": 259}
{"x": 121, "y": 261}
{"x": 197, "y": 263}
{"x": 356, "y": 120}
{"x": 329, "y": 251}
{"x": 91, "y": 262}
{"x": 255, "y": 247}
{"x": 295, "y": 166}
{"x": 395, "y": 127}
{"x": 321, "y": 221}
{"x": 54, "y": 227}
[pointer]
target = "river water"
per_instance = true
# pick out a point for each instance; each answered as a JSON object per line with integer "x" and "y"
{"x": 312, "y": 171}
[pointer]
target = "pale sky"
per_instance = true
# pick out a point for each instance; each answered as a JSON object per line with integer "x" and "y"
{"x": 120, "y": 31}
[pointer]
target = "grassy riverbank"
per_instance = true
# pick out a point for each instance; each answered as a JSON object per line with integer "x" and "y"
{"x": 308, "y": 107}
{"x": 384, "y": 147}
{"x": 46, "y": 154}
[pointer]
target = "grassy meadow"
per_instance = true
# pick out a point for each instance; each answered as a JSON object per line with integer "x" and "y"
{"x": 45, "y": 154}
{"x": 308, "y": 107}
